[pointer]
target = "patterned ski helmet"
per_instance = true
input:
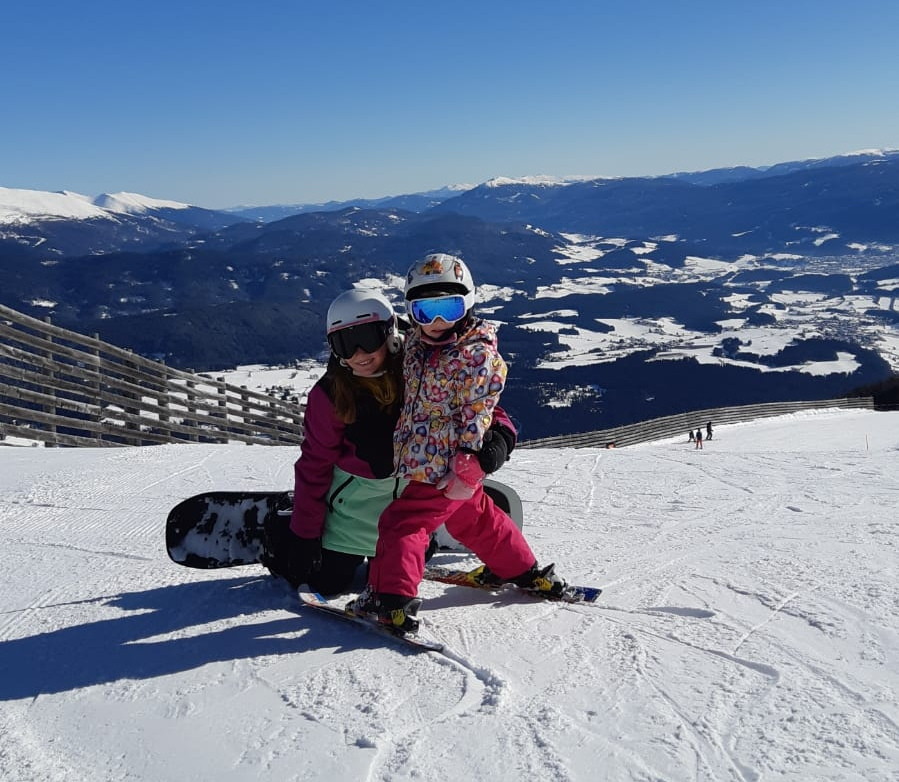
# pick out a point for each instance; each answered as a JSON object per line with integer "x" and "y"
{"x": 440, "y": 273}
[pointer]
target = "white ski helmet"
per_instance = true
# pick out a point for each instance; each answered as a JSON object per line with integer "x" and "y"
{"x": 440, "y": 273}
{"x": 355, "y": 307}
{"x": 361, "y": 308}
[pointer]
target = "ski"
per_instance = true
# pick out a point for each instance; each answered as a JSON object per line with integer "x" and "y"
{"x": 468, "y": 578}
{"x": 317, "y": 602}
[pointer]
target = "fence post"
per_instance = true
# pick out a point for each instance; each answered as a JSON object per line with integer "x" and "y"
{"x": 273, "y": 409}
{"x": 50, "y": 389}
{"x": 191, "y": 418}
{"x": 163, "y": 401}
{"x": 245, "y": 410}
{"x": 129, "y": 426}
{"x": 222, "y": 390}
{"x": 97, "y": 388}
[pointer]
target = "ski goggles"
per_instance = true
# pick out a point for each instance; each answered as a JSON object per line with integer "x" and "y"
{"x": 447, "y": 308}
{"x": 367, "y": 337}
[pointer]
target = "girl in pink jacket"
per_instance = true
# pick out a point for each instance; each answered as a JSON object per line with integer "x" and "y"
{"x": 453, "y": 375}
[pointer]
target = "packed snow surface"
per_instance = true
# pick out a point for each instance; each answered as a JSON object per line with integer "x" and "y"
{"x": 749, "y": 627}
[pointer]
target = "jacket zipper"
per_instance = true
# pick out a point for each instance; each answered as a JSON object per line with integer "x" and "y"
{"x": 336, "y": 492}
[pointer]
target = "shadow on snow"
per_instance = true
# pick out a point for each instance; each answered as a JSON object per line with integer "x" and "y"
{"x": 108, "y": 650}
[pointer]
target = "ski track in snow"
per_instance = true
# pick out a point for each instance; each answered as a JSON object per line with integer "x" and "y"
{"x": 748, "y": 630}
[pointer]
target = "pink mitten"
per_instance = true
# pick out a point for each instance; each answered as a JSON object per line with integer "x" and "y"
{"x": 463, "y": 478}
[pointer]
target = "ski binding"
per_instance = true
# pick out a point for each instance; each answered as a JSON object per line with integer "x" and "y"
{"x": 317, "y": 602}
{"x": 468, "y": 578}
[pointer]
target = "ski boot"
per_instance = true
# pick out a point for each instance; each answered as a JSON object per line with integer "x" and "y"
{"x": 484, "y": 576}
{"x": 535, "y": 579}
{"x": 543, "y": 581}
{"x": 398, "y": 612}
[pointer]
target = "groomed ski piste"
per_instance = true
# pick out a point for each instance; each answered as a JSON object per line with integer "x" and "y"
{"x": 748, "y": 630}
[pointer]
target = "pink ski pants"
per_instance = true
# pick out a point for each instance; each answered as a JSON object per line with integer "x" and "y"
{"x": 405, "y": 526}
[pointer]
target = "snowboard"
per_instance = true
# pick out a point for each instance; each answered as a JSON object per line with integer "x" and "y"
{"x": 224, "y": 529}
{"x": 418, "y": 643}
{"x": 468, "y": 578}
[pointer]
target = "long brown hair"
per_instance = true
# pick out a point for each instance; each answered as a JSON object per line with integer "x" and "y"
{"x": 346, "y": 388}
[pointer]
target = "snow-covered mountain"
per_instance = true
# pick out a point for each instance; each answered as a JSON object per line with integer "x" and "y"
{"x": 620, "y": 299}
{"x": 417, "y": 202}
{"x": 412, "y": 202}
{"x": 66, "y": 223}
{"x": 780, "y": 209}
{"x": 134, "y": 203}
{"x": 23, "y": 206}
{"x": 749, "y": 627}
{"x": 737, "y": 173}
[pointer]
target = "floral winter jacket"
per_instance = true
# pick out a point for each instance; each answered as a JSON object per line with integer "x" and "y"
{"x": 451, "y": 391}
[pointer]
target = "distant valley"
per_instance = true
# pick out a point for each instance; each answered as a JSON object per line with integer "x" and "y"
{"x": 619, "y": 299}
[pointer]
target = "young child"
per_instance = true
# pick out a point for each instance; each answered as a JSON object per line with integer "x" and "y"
{"x": 453, "y": 375}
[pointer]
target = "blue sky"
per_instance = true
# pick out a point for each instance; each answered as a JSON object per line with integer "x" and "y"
{"x": 226, "y": 103}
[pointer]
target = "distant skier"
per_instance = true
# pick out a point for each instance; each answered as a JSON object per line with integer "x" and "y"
{"x": 698, "y": 437}
{"x": 708, "y": 431}
{"x": 691, "y": 435}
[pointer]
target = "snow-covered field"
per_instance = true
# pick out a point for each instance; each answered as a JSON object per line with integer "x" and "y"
{"x": 749, "y": 627}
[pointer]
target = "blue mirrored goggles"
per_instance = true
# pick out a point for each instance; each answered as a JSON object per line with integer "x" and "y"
{"x": 367, "y": 337}
{"x": 447, "y": 308}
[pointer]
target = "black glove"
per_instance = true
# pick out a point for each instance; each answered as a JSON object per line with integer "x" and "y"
{"x": 293, "y": 559}
{"x": 498, "y": 443}
{"x": 305, "y": 557}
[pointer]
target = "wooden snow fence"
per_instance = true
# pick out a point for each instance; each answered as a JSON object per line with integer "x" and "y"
{"x": 680, "y": 424}
{"x": 66, "y": 389}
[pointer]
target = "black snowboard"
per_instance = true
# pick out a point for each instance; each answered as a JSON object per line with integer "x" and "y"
{"x": 223, "y": 529}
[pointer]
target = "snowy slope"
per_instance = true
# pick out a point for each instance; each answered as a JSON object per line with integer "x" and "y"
{"x": 134, "y": 203}
{"x": 748, "y": 630}
{"x": 25, "y": 206}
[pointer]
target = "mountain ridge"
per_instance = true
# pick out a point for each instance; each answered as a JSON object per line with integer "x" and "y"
{"x": 618, "y": 299}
